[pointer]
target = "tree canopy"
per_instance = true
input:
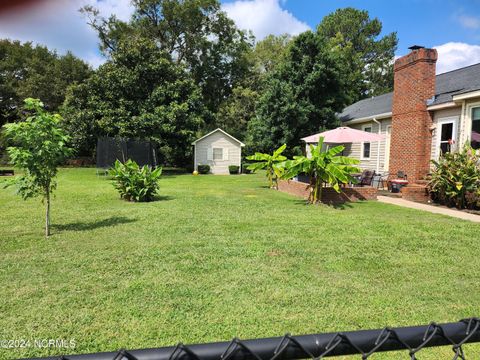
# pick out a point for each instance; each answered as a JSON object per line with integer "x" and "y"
{"x": 34, "y": 71}
{"x": 196, "y": 34}
{"x": 300, "y": 97}
{"x": 369, "y": 67}
{"x": 180, "y": 68}
{"x": 139, "y": 93}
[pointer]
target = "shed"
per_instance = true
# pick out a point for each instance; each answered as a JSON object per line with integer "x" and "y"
{"x": 219, "y": 150}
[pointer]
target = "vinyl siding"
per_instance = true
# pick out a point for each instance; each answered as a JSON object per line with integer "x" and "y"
{"x": 354, "y": 150}
{"x": 217, "y": 140}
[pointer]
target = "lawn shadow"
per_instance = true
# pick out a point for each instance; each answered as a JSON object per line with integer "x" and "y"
{"x": 334, "y": 206}
{"x": 91, "y": 225}
{"x": 342, "y": 206}
{"x": 163, "y": 198}
{"x": 301, "y": 202}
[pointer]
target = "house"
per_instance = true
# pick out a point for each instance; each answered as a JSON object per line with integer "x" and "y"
{"x": 425, "y": 116}
{"x": 219, "y": 150}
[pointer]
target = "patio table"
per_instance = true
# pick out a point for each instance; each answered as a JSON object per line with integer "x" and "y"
{"x": 397, "y": 184}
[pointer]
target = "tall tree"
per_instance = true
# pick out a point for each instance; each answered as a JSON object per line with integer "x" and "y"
{"x": 369, "y": 56}
{"x": 270, "y": 52}
{"x": 35, "y": 71}
{"x": 239, "y": 108}
{"x": 194, "y": 33}
{"x": 139, "y": 93}
{"x": 237, "y": 111}
{"x": 300, "y": 97}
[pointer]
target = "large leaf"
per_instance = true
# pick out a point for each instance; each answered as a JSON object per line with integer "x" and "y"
{"x": 279, "y": 150}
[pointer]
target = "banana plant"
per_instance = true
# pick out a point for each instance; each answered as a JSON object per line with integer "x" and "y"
{"x": 272, "y": 163}
{"x": 324, "y": 166}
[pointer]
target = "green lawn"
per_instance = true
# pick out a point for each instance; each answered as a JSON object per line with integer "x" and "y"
{"x": 223, "y": 256}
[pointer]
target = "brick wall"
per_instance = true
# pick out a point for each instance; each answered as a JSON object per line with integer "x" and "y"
{"x": 329, "y": 195}
{"x": 414, "y": 83}
{"x": 416, "y": 192}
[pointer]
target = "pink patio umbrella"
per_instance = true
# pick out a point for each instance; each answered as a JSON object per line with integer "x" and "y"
{"x": 343, "y": 135}
{"x": 346, "y": 135}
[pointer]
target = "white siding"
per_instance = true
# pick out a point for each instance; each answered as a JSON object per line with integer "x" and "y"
{"x": 218, "y": 140}
{"x": 354, "y": 150}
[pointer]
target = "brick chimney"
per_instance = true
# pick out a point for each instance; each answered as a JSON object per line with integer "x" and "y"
{"x": 414, "y": 84}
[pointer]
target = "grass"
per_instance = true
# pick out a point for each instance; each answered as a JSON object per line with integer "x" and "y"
{"x": 223, "y": 256}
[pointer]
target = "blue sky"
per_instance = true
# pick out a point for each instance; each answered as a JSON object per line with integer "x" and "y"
{"x": 452, "y": 27}
{"x": 423, "y": 22}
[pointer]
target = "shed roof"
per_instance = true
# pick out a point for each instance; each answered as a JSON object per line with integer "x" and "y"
{"x": 216, "y": 130}
{"x": 447, "y": 85}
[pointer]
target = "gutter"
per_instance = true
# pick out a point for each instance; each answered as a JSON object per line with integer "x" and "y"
{"x": 466, "y": 96}
{"x": 368, "y": 118}
{"x": 378, "y": 144}
{"x": 446, "y": 105}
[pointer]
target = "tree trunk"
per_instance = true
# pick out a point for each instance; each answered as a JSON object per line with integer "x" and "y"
{"x": 320, "y": 191}
{"x": 47, "y": 214}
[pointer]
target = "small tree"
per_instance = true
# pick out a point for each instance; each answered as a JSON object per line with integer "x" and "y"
{"x": 272, "y": 163}
{"x": 38, "y": 147}
{"x": 324, "y": 166}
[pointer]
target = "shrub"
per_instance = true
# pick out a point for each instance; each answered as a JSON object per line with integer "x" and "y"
{"x": 233, "y": 169}
{"x": 245, "y": 168}
{"x": 135, "y": 183}
{"x": 455, "y": 181}
{"x": 203, "y": 169}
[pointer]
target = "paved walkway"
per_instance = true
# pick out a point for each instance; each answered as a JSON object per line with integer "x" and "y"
{"x": 433, "y": 209}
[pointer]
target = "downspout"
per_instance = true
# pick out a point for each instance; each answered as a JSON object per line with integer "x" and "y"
{"x": 377, "y": 170}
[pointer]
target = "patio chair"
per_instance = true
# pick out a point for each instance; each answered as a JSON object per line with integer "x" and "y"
{"x": 382, "y": 180}
{"x": 366, "y": 178}
{"x": 401, "y": 175}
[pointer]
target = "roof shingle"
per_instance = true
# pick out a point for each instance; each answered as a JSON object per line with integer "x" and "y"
{"x": 446, "y": 86}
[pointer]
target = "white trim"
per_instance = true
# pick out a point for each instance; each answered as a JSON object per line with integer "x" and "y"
{"x": 442, "y": 106}
{"x": 195, "y": 158}
{"x": 214, "y": 131}
{"x": 388, "y": 139}
{"x": 465, "y": 96}
{"x": 468, "y": 121}
{"x": 446, "y": 120}
{"x": 363, "y": 143}
{"x": 368, "y": 118}
{"x": 379, "y": 132}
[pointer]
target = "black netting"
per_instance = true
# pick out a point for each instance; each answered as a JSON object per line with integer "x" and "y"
{"x": 111, "y": 149}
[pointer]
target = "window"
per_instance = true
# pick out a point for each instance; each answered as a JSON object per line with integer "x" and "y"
{"x": 446, "y": 138}
{"x": 366, "y": 145}
{"x": 217, "y": 154}
{"x": 475, "y": 136}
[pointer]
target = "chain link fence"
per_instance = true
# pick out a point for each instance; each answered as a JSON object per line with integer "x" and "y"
{"x": 316, "y": 346}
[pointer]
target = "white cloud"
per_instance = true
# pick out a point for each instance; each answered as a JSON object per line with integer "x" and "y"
{"x": 468, "y": 21}
{"x": 59, "y": 25}
{"x": 264, "y": 17}
{"x": 455, "y": 55}
{"x": 121, "y": 8}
